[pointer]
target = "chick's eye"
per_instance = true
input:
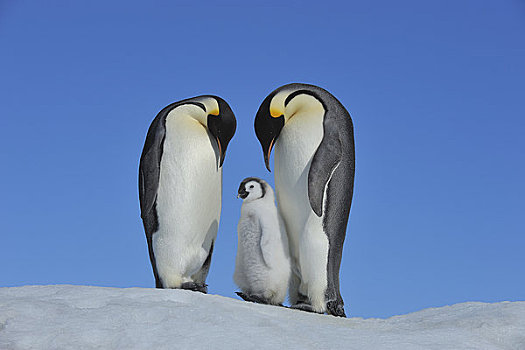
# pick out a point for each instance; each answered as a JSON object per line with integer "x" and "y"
{"x": 251, "y": 186}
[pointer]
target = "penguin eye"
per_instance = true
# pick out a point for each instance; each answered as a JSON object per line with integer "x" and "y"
{"x": 251, "y": 186}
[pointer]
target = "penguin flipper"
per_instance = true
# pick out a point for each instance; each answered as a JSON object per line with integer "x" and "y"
{"x": 326, "y": 159}
{"x": 149, "y": 167}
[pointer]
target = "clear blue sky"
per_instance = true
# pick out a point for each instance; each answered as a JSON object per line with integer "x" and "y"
{"x": 436, "y": 90}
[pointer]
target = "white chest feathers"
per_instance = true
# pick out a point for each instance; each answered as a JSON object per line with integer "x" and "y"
{"x": 262, "y": 265}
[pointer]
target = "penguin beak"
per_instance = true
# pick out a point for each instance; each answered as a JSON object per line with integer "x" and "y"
{"x": 242, "y": 193}
{"x": 222, "y": 127}
{"x": 267, "y": 155}
{"x": 221, "y": 153}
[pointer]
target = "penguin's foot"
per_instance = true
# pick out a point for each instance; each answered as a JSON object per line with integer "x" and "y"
{"x": 302, "y": 299}
{"x": 252, "y": 298}
{"x": 335, "y": 308}
{"x": 303, "y": 304}
{"x": 303, "y": 307}
{"x": 196, "y": 287}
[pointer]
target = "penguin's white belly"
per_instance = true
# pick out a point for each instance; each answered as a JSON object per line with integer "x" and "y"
{"x": 188, "y": 201}
{"x": 294, "y": 151}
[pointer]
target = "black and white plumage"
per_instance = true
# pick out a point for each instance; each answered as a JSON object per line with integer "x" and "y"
{"x": 262, "y": 265}
{"x": 312, "y": 134}
{"x": 180, "y": 188}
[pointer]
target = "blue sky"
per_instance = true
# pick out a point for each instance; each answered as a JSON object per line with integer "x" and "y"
{"x": 436, "y": 91}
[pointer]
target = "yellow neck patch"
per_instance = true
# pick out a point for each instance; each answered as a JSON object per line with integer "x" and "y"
{"x": 275, "y": 113}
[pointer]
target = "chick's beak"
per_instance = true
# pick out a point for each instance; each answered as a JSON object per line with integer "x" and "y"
{"x": 242, "y": 193}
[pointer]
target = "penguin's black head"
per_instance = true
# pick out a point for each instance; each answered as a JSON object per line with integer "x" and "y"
{"x": 279, "y": 107}
{"x": 251, "y": 188}
{"x": 222, "y": 125}
{"x": 268, "y": 127}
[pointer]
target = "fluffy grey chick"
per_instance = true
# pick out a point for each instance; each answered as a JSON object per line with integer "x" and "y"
{"x": 262, "y": 265}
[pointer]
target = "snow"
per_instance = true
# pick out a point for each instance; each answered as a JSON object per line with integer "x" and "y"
{"x": 82, "y": 317}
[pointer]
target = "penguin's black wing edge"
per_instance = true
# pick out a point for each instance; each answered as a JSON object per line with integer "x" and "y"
{"x": 326, "y": 159}
{"x": 149, "y": 168}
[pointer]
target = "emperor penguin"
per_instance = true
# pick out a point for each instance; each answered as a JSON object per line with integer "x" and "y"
{"x": 314, "y": 160}
{"x": 180, "y": 188}
{"x": 262, "y": 265}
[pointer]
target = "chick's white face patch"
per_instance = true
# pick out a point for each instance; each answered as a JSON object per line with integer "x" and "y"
{"x": 254, "y": 190}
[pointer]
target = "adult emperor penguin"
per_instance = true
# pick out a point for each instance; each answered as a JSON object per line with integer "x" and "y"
{"x": 312, "y": 134}
{"x": 180, "y": 188}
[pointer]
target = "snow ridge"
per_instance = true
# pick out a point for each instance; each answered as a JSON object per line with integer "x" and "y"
{"x": 83, "y": 317}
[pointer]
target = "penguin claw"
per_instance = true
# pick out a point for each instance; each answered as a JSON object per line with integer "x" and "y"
{"x": 196, "y": 287}
{"x": 335, "y": 308}
{"x": 252, "y": 298}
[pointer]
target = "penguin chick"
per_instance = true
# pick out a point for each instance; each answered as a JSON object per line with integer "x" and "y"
{"x": 262, "y": 265}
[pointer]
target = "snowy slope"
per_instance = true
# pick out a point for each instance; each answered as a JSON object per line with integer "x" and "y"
{"x": 78, "y": 317}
